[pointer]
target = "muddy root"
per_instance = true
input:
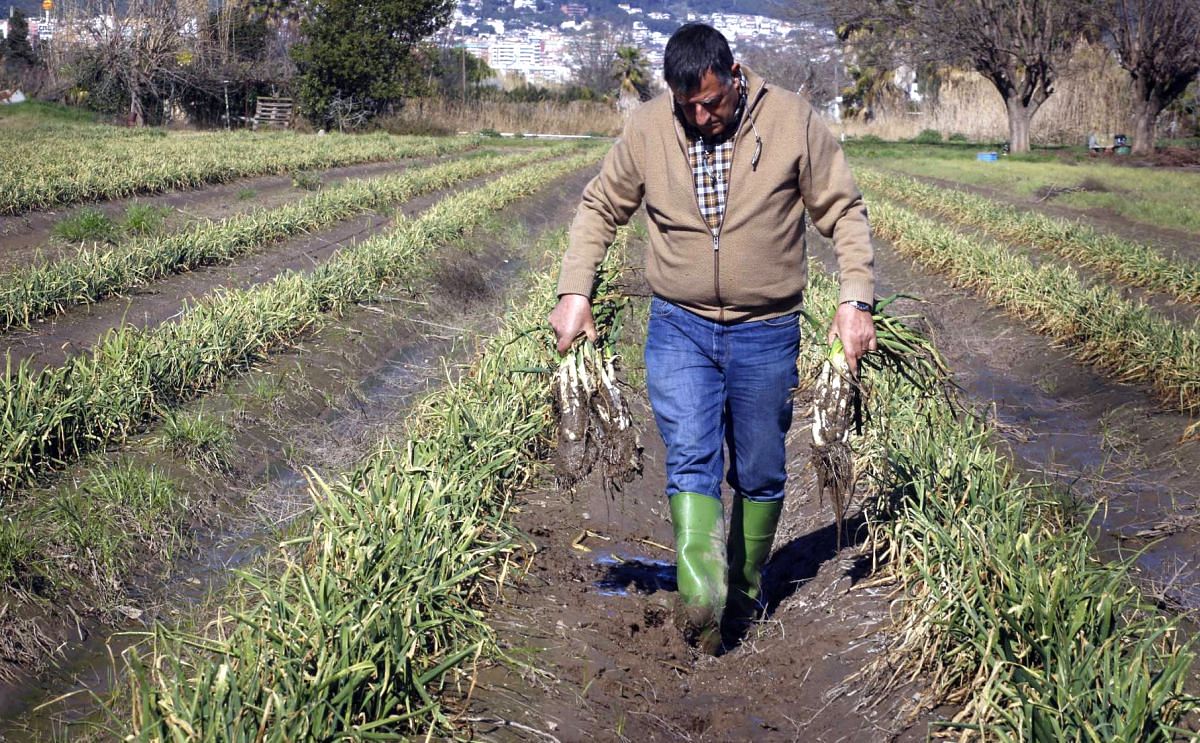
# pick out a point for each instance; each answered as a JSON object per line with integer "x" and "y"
{"x": 595, "y": 428}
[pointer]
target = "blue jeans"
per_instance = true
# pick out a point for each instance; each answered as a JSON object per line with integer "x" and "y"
{"x": 711, "y": 384}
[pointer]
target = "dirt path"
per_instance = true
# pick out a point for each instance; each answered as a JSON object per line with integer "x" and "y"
{"x": 606, "y": 663}
{"x": 26, "y": 238}
{"x": 320, "y": 406}
{"x": 76, "y": 331}
{"x": 592, "y": 619}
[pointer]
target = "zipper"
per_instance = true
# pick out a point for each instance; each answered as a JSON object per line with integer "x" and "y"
{"x": 717, "y": 267}
{"x": 716, "y": 234}
{"x": 720, "y": 225}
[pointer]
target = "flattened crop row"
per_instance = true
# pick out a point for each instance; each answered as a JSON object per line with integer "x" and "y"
{"x": 93, "y": 273}
{"x": 1003, "y": 607}
{"x": 1133, "y": 263}
{"x": 55, "y": 414}
{"x": 356, "y": 638}
{"x": 65, "y": 170}
{"x": 1128, "y": 340}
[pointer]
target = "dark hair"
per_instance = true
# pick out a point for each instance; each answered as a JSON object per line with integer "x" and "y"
{"x": 694, "y": 49}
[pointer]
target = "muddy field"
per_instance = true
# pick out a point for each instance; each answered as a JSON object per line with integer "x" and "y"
{"x": 587, "y": 627}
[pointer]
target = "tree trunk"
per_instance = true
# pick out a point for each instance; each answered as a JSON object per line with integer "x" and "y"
{"x": 1146, "y": 108}
{"x": 1019, "y": 117}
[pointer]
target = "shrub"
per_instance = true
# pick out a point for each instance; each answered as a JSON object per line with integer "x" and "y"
{"x": 928, "y": 136}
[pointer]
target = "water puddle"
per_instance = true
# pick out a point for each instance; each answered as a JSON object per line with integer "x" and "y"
{"x": 624, "y": 574}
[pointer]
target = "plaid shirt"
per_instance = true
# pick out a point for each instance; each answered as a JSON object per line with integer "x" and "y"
{"x": 710, "y": 168}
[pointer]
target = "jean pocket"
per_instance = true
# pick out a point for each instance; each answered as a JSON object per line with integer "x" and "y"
{"x": 661, "y": 308}
{"x": 783, "y": 321}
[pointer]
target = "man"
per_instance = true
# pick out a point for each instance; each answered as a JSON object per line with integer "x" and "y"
{"x": 726, "y": 166}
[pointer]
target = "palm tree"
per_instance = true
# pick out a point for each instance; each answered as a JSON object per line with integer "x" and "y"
{"x": 631, "y": 70}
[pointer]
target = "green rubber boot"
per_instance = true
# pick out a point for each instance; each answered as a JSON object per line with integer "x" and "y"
{"x": 751, "y": 532}
{"x": 700, "y": 568}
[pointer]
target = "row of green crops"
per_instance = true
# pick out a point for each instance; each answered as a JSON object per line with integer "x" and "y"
{"x": 1130, "y": 262}
{"x": 55, "y": 414}
{"x": 1126, "y": 339}
{"x": 1157, "y": 197}
{"x": 40, "y": 172}
{"x": 361, "y": 631}
{"x": 93, "y": 273}
{"x": 1003, "y": 606}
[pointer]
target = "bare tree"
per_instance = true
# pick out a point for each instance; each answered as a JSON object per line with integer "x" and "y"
{"x": 801, "y": 66}
{"x": 592, "y": 55}
{"x": 1018, "y": 45}
{"x": 127, "y": 55}
{"x": 1158, "y": 42}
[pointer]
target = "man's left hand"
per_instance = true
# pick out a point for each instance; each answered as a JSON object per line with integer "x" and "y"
{"x": 857, "y": 331}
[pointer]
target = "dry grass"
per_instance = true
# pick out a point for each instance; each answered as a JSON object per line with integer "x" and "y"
{"x": 433, "y": 115}
{"x": 1092, "y": 94}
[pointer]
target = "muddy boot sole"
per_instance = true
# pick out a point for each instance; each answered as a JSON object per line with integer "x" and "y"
{"x": 700, "y": 625}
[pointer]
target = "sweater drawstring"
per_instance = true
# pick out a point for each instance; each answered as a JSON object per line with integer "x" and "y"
{"x": 757, "y": 147}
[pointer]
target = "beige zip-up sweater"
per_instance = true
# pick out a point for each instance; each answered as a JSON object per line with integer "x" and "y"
{"x": 755, "y": 266}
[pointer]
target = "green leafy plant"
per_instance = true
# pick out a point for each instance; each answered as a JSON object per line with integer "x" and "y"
{"x": 198, "y": 438}
{"x": 144, "y": 219}
{"x": 86, "y": 225}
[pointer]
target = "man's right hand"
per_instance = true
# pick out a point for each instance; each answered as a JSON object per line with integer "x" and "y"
{"x": 572, "y": 316}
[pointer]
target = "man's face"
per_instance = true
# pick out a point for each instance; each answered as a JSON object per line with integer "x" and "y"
{"x": 710, "y": 107}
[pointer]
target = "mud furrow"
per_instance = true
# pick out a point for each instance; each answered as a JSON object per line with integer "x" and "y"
{"x": 330, "y": 400}
{"x": 58, "y": 337}
{"x": 27, "y": 238}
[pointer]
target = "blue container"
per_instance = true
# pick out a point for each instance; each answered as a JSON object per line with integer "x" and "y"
{"x": 987, "y": 157}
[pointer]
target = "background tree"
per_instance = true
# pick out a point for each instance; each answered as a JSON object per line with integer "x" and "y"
{"x": 130, "y": 62}
{"x": 800, "y": 65}
{"x": 1017, "y": 45}
{"x": 17, "y": 57}
{"x": 456, "y": 73}
{"x": 631, "y": 71}
{"x": 1158, "y": 42}
{"x": 592, "y": 54}
{"x": 360, "y": 53}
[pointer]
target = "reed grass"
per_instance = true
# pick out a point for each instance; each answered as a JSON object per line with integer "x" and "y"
{"x": 1092, "y": 93}
{"x": 31, "y": 292}
{"x": 1002, "y": 610}
{"x": 131, "y": 376}
{"x": 1127, "y": 261}
{"x": 359, "y": 632}
{"x": 144, "y": 219}
{"x": 543, "y": 117}
{"x": 197, "y": 437}
{"x": 1123, "y": 338}
{"x": 78, "y": 162}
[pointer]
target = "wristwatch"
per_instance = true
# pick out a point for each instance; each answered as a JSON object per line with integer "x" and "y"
{"x": 859, "y": 305}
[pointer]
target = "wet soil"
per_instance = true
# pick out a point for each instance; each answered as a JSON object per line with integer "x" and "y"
{"x": 589, "y": 626}
{"x": 592, "y": 621}
{"x": 319, "y": 407}
{"x": 589, "y": 629}
{"x": 27, "y": 238}
{"x": 52, "y": 339}
{"x": 595, "y": 654}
